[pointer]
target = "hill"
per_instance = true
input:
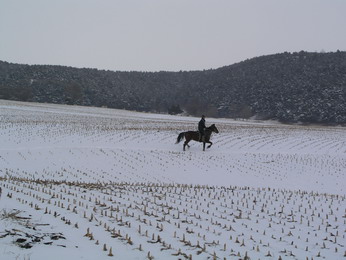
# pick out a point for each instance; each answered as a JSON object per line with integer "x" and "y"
{"x": 289, "y": 87}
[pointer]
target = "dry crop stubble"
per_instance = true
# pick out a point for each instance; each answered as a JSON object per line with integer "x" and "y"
{"x": 125, "y": 188}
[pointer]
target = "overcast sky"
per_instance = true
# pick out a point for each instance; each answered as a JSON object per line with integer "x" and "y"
{"x": 154, "y": 35}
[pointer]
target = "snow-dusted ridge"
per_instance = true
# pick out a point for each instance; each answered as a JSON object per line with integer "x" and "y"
{"x": 263, "y": 190}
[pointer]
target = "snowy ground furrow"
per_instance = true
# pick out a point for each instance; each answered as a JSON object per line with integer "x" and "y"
{"x": 114, "y": 178}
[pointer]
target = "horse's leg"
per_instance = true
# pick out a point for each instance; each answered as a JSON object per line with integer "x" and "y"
{"x": 203, "y": 146}
{"x": 186, "y": 143}
{"x": 210, "y": 144}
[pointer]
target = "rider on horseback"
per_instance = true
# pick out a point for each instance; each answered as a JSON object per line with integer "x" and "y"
{"x": 201, "y": 128}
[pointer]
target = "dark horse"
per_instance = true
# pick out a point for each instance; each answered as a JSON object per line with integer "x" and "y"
{"x": 194, "y": 135}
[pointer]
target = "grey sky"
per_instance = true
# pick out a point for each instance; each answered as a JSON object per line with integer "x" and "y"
{"x": 153, "y": 35}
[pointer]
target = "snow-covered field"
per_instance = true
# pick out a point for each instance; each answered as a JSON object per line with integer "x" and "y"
{"x": 78, "y": 182}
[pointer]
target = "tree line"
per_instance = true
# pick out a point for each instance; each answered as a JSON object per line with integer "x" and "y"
{"x": 289, "y": 87}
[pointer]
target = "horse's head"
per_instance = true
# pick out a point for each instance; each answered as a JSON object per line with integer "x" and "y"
{"x": 214, "y": 129}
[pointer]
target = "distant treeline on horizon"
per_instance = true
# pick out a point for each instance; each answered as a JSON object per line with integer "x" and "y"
{"x": 290, "y": 87}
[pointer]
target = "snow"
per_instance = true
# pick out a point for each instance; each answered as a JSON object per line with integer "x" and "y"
{"x": 262, "y": 189}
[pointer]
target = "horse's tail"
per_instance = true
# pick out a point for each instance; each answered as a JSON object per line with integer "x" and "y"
{"x": 180, "y": 137}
